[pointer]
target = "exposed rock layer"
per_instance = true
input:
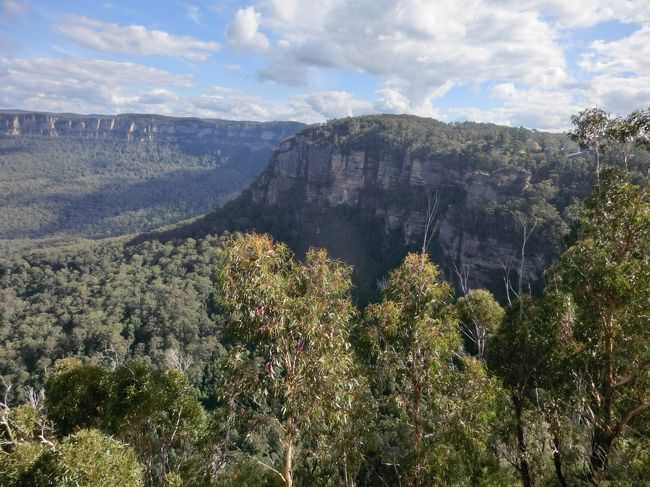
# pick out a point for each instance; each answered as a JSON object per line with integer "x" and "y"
{"x": 137, "y": 127}
{"x": 326, "y": 177}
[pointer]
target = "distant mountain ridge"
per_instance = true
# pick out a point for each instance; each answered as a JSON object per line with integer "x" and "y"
{"x": 64, "y": 175}
{"x": 140, "y": 127}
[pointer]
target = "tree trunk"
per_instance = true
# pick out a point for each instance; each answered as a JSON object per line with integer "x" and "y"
{"x": 418, "y": 435}
{"x": 524, "y": 469}
{"x": 288, "y": 462}
{"x": 557, "y": 461}
{"x": 600, "y": 447}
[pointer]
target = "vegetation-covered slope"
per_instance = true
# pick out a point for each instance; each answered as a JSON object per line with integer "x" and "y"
{"x": 99, "y": 176}
{"x": 301, "y": 388}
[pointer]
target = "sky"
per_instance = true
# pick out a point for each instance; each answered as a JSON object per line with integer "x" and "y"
{"x": 521, "y": 63}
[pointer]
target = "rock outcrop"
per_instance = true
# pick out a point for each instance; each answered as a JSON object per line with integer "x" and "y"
{"x": 324, "y": 176}
{"x": 138, "y": 127}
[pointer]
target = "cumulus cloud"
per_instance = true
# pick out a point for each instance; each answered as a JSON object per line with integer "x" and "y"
{"x": 132, "y": 39}
{"x": 628, "y": 55}
{"x": 424, "y": 45}
{"x": 528, "y": 107}
{"x": 81, "y": 85}
{"x": 243, "y": 33}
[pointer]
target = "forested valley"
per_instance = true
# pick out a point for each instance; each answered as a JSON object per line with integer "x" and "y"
{"x": 224, "y": 360}
{"x": 65, "y": 177}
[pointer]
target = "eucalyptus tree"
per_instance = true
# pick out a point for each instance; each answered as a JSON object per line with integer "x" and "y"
{"x": 289, "y": 372}
{"x": 526, "y": 353}
{"x": 591, "y": 131}
{"x": 631, "y": 131}
{"x": 607, "y": 275}
{"x": 480, "y": 315}
{"x": 436, "y": 403}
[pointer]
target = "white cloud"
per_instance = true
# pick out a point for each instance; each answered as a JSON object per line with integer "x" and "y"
{"x": 243, "y": 33}
{"x": 621, "y": 72}
{"x": 421, "y": 47}
{"x": 585, "y": 13}
{"x": 528, "y": 107}
{"x": 412, "y": 56}
{"x": 628, "y": 55}
{"x": 132, "y": 39}
{"x": 391, "y": 100}
{"x": 82, "y": 85}
{"x": 333, "y": 104}
{"x": 619, "y": 95}
{"x": 94, "y": 86}
{"x": 230, "y": 103}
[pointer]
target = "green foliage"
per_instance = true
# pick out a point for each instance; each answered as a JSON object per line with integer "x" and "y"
{"x": 607, "y": 276}
{"x": 156, "y": 412}
{"x": 93, "y": 459}
{"x": 20, "y": 466}
{"x": 112, "y": 302}
{"x": 77, "y": 396}
{"x": 289, "y": 370}
{"x": 30, "y": 456}
{"x": 480, "y": 315}
{"x": 437, "y": 410}
{"x": 526, "y": 353}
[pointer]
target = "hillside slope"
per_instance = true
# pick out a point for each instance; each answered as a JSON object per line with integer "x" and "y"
{"x": 97, "y": 175}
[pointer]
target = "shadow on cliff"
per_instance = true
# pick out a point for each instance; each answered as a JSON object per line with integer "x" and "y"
{"x": 352, "y": 235}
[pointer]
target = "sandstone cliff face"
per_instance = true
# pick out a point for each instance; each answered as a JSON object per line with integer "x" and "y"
{"x": 305, "y": 171}
{"x": 136, "y": 127}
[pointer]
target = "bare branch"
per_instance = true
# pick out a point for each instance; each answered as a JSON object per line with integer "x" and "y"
{"x": 430, "y": 221}
{"x": 629, "y": 416}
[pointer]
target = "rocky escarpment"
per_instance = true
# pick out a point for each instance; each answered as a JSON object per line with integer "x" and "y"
{"x": 137, "y": 127}
{"x": 361, "y": 187}
{"x": 385, "y": 184}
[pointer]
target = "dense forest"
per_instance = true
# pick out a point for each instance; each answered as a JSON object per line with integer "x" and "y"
{"x": 58, "y": 187}
{"x": 225, "y": 360}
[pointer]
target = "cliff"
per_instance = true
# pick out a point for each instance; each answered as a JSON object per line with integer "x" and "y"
{"x": 361, "y": 188}
{"x": 138, "y": 127}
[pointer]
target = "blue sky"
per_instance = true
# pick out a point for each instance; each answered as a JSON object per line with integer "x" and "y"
{"x": 518, "y": 63}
